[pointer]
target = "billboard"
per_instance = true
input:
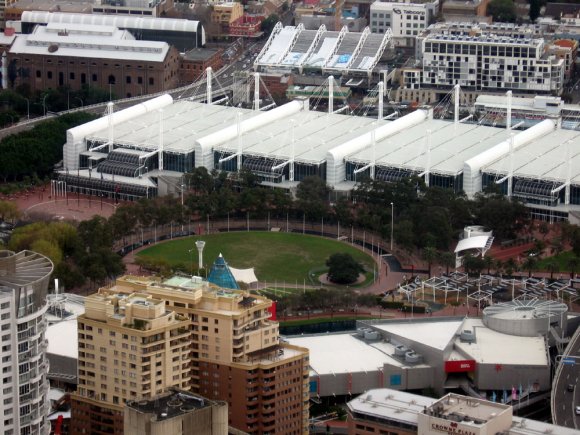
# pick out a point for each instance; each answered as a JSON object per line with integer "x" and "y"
{"x": 467, "y": 365}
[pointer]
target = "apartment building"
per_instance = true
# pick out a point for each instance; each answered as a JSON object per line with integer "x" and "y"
{"x": 130, "y": 347}
{"x": 24, "y": 279}
{"x": 490, "y": 63}
{"x": 235, "y": 356}
{"x": 226, "y": 14}
{"x": 406, "y": 18}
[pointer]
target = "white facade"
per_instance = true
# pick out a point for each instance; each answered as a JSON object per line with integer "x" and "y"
{"x": 406, "y": 19}
{"x": 23, "y": 284}
{"x": 490, "y": 63}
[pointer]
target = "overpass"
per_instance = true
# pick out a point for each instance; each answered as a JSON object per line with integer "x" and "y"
{"x": 563, "y": 400}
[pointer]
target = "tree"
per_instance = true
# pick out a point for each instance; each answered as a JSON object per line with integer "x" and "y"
{"x": 343, "y": 269}
{"x": 447, "y": 259}
{"x": 312, "y": 197}
{"x": 429, "y": 255}
{"x": 268, "y": 24}
{"x": 573, "y": 264}
{"x": 502, "y": 10}
{"x": 535, "y": 7}
{"x": 553, "y": 266}
{"x": 9, "y": 211}
{"x": 488, "y": 261}
{"x": 530, "y": 265}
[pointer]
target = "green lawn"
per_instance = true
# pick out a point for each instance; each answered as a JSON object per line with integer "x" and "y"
{"x": 275, "y": 256}
{"x": 562, "y": 259}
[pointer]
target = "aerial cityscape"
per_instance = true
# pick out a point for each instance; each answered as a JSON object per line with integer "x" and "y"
{"x": 289, "y": 217}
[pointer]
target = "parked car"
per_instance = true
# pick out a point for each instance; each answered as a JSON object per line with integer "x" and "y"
{"x": 578, "y": 410}
{"x": 571, "y": 387}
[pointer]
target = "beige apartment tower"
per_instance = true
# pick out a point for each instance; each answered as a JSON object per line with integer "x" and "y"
{"x": 231, "y": 352}
{"x": 130, "y": 347}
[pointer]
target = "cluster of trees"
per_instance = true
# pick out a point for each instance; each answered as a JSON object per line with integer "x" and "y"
{"x": 79, "y": 253}
{"x": 323, "y": 299}
{"x": 432, "y": 216}
{"x": 34, "y": 153}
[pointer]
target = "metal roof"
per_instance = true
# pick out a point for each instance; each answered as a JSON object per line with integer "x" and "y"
{"x": 315, "y": 133}
{"x": 546, "y": 158}
{"x": 451, "y": 145}
{"x": 183, "y": 123}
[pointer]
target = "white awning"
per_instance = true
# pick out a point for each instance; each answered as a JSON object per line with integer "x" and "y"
{"x": 476, "y": 242}
{"x": 244, "y": 275}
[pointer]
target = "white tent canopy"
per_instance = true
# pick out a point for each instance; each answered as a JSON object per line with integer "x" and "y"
{"x": 477, "y": 242}
{"x": 244, "y": 275}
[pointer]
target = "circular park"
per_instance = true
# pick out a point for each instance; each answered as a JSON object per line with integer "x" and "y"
{"x": 276, "y": 257}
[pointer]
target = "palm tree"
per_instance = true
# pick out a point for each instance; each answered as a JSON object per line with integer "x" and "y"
{"x": 429, "y": 255}
{"x": 488, "y": 262}
{"x": 447, "y": 259}
{"x": 573, "y": 264}
{"x": 530, "y": 264}
{"x": 510, "y": 266}
{"x": 553, "y": 266}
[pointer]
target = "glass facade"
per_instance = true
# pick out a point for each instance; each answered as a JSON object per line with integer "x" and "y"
{"x": 262, "y": 167}
{"x": 178, "y": 162}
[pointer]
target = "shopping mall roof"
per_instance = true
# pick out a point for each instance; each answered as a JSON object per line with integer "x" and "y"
{"x": 451, "y": 145}
{"x": 546, "y": 158}
{"x": 63, "y": 339}
{"x": 493, "y": 347}
{"x": 437, "y": 334}
{"x": 341, "y": 353}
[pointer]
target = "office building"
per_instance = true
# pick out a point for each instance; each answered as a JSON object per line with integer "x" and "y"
{"x": 406, "y": 19}
{"x": 176, "y": 412}
{"x": 465, "y": 11}
{"x": 24, "y": 279}
{"x": 230, "y": 353}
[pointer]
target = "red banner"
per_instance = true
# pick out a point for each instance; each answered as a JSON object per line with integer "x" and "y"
{"x": 467, "y": 365}
{"x": 272, "y": 311}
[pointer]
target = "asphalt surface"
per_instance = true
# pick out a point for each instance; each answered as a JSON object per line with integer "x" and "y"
{"x": 565, "y": 401}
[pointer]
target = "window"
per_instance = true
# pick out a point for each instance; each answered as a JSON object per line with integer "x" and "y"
{"x": 94, "y": 79}
{"x": 49, "y": 74}
{"x": 83, "y": 78}
{"x": 128, "y": 79}
{"x": 139, "y": 80}
{"x": 151, "y": 81}
{"x": 38, "y": 74}
{"x": 111, "y": 79}
{"x": 71, "y": 76}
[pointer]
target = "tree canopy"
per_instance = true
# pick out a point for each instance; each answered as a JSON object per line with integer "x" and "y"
{"x": 502, "y": 10}
{"x": 343, "y": 269}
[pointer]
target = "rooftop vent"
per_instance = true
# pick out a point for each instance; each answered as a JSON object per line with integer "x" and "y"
{"x": 52, "y": 48}
{"x": 467, "y": 336}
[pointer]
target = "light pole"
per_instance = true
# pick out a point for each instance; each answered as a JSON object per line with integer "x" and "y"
{"x": 44, "y": 103}
{"x": 392, "y": 223}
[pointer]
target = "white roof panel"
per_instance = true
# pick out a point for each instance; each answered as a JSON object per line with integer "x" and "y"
{"x": 545, "y": 158}
{"x": 451, "y": 146}
{"x": 340, "y": 353}
{"x": 476, "y": 242}
{"x": 493, "y": 347}
{"x": 63, "y": 339}
{"x": 183, "y": 123}
{"x": 434, "y": 334}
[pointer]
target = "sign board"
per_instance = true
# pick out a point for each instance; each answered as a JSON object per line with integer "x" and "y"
{"x": 460, "y": 366}
{"x": 568, "y": 361}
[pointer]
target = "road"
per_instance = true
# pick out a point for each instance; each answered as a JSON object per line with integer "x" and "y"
{"x": 567, "y": 373}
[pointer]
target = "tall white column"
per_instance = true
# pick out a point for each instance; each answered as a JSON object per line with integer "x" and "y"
{"x": 208, "y": 76}
{"x": 330, "y": 94}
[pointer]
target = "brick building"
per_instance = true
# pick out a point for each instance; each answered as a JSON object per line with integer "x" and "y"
{"x": 104, "y": 57}
{"x": 194, "y": 63}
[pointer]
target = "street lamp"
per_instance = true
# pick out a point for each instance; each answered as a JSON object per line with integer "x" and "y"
{"x": 44, "y": 103}
{"x": 392, "y": 223}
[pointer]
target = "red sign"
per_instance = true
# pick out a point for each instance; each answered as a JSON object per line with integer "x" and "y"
{"x": 467, "y": 365}
{"x": 272, "y": 311}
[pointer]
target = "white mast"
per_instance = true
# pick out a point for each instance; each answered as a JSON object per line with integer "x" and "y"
{"x": 330, "y": 94}
{"x": 208, "y": 75}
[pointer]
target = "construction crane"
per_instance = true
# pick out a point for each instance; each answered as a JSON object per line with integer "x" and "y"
{"x": 338, "y": 4}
